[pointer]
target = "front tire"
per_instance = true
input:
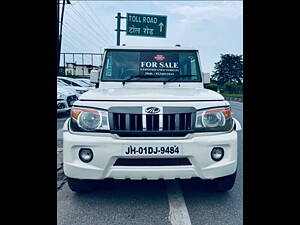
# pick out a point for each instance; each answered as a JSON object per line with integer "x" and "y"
{"x": 81, "y": 186}
{"x": 222, "y": 184}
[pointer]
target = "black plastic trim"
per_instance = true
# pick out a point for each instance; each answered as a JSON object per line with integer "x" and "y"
{"x": 152, "y": 162}
{"x": 166, "y": 133}
{"x": 89, "y": 107}
{"x": 213, "y": 107}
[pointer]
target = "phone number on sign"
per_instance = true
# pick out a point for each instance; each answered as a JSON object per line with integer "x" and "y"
{"x": 152, "y": 150}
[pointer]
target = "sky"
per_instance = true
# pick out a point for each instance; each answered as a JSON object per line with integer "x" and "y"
{"x": 213, "y": 27}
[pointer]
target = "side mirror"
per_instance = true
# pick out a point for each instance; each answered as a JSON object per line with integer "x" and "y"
{"x": 206, "y": 78}
{"x": 94, "y": 77}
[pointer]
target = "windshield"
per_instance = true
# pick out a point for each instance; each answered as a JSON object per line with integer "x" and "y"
{"x": 61, "y": 83}
{"x": 158, "y": 65}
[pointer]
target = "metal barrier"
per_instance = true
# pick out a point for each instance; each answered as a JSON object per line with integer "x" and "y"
{"x": 79, "y": 64}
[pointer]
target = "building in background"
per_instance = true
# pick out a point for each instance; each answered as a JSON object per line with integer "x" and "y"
{"x": 80, "y": 70}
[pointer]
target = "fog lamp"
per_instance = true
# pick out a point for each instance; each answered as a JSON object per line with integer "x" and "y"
{"x": 217, "y": 153}
{"x": 85, "y": 155}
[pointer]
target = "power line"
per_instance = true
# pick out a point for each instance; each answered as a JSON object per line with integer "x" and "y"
{"x": 91, "y": 27}
{"x": 79, "y": 22}
{"x": 80, "y": 37}
{"x": 87, "y": 36}
{"x": 99, "y": 35}
{"x": 77, "y": 41}
{"x": 101, "y": 28}
{"x": 93, "y": 18}
{"x": 102, "y": 24}
{"x": 68, "y": 40}
{"x": 92, "y": 31}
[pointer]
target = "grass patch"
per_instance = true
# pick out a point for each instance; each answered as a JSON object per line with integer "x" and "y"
{"x": 233, "y": 95}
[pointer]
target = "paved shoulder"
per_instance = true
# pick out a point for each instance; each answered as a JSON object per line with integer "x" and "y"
{"x": 124, "y": 202}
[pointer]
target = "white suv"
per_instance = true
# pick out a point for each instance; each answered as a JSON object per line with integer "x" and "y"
{"x": 150, "y": 118}
{"x": 65, "y": 99}
{"x": 78, "y": 85}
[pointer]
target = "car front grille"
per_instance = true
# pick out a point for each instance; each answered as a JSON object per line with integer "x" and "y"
{"x": 61, "y": 106}
{"x": 71, "y": 99}
{"x": 126, "y": 123}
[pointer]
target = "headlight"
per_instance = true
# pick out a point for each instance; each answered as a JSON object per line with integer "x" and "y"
{"x": 89, "y": 119}
{"x": 219, "y": 119}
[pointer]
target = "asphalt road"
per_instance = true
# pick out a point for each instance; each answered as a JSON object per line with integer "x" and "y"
{"x": 153, "y": 202}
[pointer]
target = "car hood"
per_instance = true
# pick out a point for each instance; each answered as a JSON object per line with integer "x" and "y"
{"x": 66, "y": 91}
{"x": 167, "y": 94}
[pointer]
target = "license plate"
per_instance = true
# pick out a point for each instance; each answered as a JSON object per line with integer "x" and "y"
{"x": 151, "y": 149}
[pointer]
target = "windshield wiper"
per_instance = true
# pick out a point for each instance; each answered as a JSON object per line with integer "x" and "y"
{"x": 178, "y": 76}
{"x": 139, "y": 76}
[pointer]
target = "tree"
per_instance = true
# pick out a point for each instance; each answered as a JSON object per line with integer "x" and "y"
{"x": 229, "y": 69}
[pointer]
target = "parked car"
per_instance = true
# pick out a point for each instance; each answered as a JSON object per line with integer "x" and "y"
{"x": 65, "y": 99}
{"x": 87, "y": 81}
{"x": 71, "y": 85}
{"x": 80, "y": 86}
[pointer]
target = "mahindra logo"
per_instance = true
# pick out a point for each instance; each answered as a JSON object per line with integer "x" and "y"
{"x": 152, "y": 110}
{"x": 159, "y": 57}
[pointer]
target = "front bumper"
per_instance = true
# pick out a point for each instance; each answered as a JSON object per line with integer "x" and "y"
{"x": 107, "y": 149}
{"x": 62, "y": 106}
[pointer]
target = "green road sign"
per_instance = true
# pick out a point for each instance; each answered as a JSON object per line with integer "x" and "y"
{"x": 146, "y": 25}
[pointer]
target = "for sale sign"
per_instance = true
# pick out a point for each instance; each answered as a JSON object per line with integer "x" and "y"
{"x": 159, "y": 64}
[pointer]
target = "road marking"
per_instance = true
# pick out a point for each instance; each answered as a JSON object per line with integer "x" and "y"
{"x": 178, "y": 214}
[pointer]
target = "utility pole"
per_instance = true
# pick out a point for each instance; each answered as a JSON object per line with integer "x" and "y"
{"x": 60, "y": 31}
{"x": 57, "y": 35}
{"x": 119, "y": 17}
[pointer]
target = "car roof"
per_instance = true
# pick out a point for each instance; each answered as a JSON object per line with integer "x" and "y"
{"x": 150, "y": 48}
{"x": 67, "y": 78}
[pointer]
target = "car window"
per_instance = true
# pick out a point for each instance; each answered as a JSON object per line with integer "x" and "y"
{"x": 62, "y": 83}
{"x": 74, "y": 84}
{"x": 121, "y": 64}
{"x": 67, "y": 82}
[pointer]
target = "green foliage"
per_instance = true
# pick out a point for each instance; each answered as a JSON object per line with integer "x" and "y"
{"x": 229, "y": 69}
{"x": 213, "y": 87}
{"x": 232, "y": 88}
{"x": 240, "y": 96}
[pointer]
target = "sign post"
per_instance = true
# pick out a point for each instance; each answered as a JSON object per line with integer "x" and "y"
{"x": 146, "y": 25}
{"x": 119, "y": 17}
